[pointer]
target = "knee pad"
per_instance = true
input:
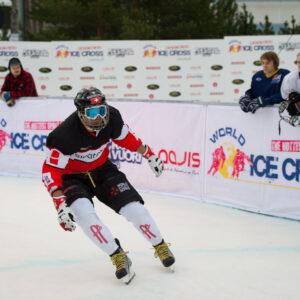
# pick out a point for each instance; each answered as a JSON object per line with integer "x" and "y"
{"x": 133, "y": 211}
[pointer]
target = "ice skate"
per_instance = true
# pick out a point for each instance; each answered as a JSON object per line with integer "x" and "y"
{"x": 165, "y": 255}
{"x": 123, "y": 265}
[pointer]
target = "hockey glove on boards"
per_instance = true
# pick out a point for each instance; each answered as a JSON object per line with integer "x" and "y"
{"x": 155, "y": 163}
{"x": 7, "y": 98}
{"x": 65, "y": 218}
{"x": 244, "y": 102}
{"x": 255, "y": 104}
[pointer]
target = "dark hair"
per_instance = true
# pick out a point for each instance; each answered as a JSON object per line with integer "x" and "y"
{"x": 14, "y": 61}
{"x": 271, "y": 56}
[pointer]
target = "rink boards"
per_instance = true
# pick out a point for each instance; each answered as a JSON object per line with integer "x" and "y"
{"x": 212, "y": 153}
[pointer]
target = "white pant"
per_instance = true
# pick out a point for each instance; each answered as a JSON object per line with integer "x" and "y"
{"x": 86, "y": 217}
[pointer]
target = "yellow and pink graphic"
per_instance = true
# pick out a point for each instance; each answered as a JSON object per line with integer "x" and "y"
{"x": 228, "y": 161}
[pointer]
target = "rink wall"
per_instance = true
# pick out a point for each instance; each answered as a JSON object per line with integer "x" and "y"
{"x": 201, "y": 70}
{"x": 212, "y": 153}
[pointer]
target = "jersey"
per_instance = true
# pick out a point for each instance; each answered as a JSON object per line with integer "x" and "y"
{"x": 71, "y": 148}
{"x": 291, "y": 83}
{"x": 268, "y": 88}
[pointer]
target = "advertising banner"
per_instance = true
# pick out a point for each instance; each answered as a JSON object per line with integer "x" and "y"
{"x": 248, "y": 165}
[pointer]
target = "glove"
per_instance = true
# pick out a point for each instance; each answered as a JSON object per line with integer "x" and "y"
{"x": 65, "y": 218}
{"x": 244, "y": 102}
{"x": 7, "y": 98}
{"x": 294, "y": 97}
{"x": 155, "y": 163}
{"x": 255, "y": 104}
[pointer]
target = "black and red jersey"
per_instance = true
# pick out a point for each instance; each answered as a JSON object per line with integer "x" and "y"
{"x": 73, "y": 149}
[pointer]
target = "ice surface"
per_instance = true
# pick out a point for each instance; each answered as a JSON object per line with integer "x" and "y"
{"x": 221, "y": 253}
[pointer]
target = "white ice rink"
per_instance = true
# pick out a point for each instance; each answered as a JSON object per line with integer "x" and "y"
{"x": 221, "y": 253}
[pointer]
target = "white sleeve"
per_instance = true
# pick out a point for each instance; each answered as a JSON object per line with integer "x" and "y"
{"x": 286, "y": 87}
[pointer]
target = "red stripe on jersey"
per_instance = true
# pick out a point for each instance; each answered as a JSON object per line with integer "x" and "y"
{"x": 130, "y": 142}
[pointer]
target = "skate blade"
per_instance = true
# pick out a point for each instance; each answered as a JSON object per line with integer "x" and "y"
{"x": 128, "y": 278}
{"x": 171, "y": 268}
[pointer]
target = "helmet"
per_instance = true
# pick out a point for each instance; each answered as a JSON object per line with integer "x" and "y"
{"x": 92, "y": 108}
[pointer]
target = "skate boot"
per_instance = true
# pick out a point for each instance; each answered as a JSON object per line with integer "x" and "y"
{"x": 122, "y": 263}
{"x": 165, "y": 255}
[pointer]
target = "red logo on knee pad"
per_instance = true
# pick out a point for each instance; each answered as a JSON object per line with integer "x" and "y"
{"x": 96, "y": 230}
{"x": 146, "y": 231}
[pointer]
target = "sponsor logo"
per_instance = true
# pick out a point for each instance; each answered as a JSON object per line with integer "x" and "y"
{"x": 216, "y": 93}
{"x": 216, "y": 67}
{"x": 152, "y": 86}
{"x": 176, "y": 50}
{"x": 9, "y": 53}
{"x": 257, "y": 63}
{"x": 174, "y": 76}
{"x": 238, "y": 81}
{"x": 45, "y": 70}
{"x": 120, "y": 155}
{"x": 150, "y": 51}
{"x": 26, "y": 141}
{"x": 131, "y": 95}
{"x": 228, "y": 160}
{"x": 65, "y": 87}
{"x": 153, "y": 67}
{"x": 194, "y": 76}
{"x": 90, "y": 155}
{"x": 199, "y": 85}
{"x": 235, "y": 46}
{"x": 107, "y": 77}
{"x": 285, "y": 146}
{"x": 4, "y": 137}
{"x": 238, "y": 63}
{"x": 207, "y": 51}
{"x": 182, "y": 162}
{"x": 87, "y": 77}
{"x": 41, "y": 125}
{"x": 289, "y": 46}
{"x": 108, "y": 69}
{"x": 174, "y": 68}
{"x": 130, "y": 68}
{"x": 65, "y": 69}
{"x": 3, "y": 69}
{"x": 110, "y": 86}
{"x": 35, "y": 53}
{"x": 276, "y": 79}
{"x": 120, "y": 52}
{"x": 87, "y": 69}
{"x": 174, "y": 94}
{"x": 41, "y": 78}
{"x": 63, "y": 51}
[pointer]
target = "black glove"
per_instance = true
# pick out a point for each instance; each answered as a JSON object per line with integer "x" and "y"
{"x": 255, "y": 104}
{"x": 294, "y": 104}
{"x": 294, "y": 97}
{"x": 244, "y": 102}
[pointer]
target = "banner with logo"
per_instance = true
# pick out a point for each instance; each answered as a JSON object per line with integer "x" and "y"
{"x": 113, "y": 67}
{"x": 214, "y": 153}
{"x": 176, "y": 134}
{"x": 248, "y": 165}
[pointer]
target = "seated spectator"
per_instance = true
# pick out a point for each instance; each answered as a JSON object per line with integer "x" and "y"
{"x": 18, "y": 83}
{"x": 265, "y": 85}
{"x": 290, "y": 91}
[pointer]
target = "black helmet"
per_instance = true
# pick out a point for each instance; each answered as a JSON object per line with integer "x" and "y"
{"x": 88, "y": 98}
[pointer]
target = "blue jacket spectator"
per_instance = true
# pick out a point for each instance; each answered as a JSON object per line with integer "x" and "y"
{"x": 265, "y": 85}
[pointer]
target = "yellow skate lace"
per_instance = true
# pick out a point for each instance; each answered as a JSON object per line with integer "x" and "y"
{"x": 162, "y": 251}
{"x": 119, "y": 260}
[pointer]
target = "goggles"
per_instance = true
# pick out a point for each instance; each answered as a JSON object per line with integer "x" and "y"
{"x": 93, "y": 112}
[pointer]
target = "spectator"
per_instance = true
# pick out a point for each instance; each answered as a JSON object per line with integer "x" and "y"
{"x": 290, "y": 91}
{"x": 18, "y": 83}
{"x": 265, "y": 85}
